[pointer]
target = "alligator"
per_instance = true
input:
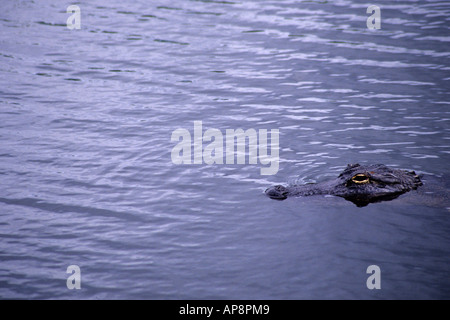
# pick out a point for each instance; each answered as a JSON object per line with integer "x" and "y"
{"x": 360, "y": 184}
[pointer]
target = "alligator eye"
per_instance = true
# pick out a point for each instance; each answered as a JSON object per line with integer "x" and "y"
{"x": 360, "y": 179}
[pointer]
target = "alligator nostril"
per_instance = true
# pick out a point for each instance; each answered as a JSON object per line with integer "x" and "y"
{"x": 277, "y": 192}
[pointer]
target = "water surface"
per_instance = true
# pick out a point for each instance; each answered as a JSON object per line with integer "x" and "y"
{"x": 86, "y": 176}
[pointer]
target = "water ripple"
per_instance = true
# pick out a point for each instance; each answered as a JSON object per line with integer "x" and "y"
{"x": 85, "y": 160}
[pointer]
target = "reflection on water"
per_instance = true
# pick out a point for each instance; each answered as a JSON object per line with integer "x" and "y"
{"x": 86, "y": 173}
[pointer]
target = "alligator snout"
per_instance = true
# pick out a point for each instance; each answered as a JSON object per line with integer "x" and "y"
{"x": 277, "y": 192}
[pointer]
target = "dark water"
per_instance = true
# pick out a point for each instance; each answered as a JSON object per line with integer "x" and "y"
{"x": 87, "y": 179}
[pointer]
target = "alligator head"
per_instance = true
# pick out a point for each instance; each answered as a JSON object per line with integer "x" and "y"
{"x": 360, "y": 184}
